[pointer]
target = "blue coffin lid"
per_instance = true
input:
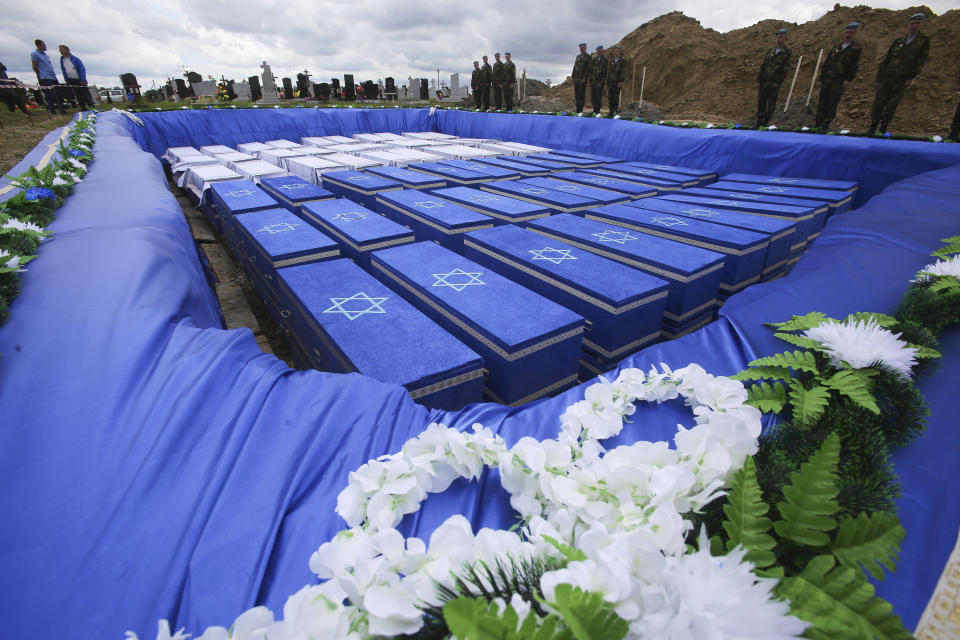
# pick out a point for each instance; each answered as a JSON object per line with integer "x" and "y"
{"x": 433, "y": 211}
{"x": 537, "y": 195}
{"x": 376, "y": 331}
{"x": 523, "y": 169}
{"x": 354, "y": 224}
{"x": 655, "y": 174}
{"x": 558, "y": 182}
{"x": 787, "y": 181}
{"x": 294, "y": 189}
{"x": 282, "y": 236}
{"x": 569, "y": 161}
{"x": 361, "y": 182}
{"x": 409, "y": 179}
{"x": 587, "y": 156}
{"x": 721, "y": 238}
{"x": 492, "y": 204}
{"x": 774, "y": 227}
{"x": 239, "y": 196}
{"x": 636, "y": 178}
{"x": 545, "y": 164}
{"x": 632, "y": 189}
{"x": 511, "y": 316}
{"x": 835, "y": 198}
{"x": 810, "y": 206}
{"x": 498, "y": 173}
{"x": 699, "y": 174}
{"x": 592, "y": 276}
{"x": 667, "y": 255}
{"x": 449, "y": 173}
{"x": 730, "y": 200}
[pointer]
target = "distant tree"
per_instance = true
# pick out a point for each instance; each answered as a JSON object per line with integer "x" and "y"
{"x": 154, "y": 95}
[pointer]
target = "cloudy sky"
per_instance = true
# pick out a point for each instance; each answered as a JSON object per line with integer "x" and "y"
{"x": 370, "y": 38}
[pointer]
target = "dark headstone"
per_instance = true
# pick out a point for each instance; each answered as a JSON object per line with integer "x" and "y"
{"x": 390, "y": 88}
{"x": 255, "y": 92}
{"x": 193, "y": 76}
{"x": 287, "y": 89}
{"x": 230, "y": 91}
{"x": 303, "y": 85}
{"x": 349, "y": 89}
{"x": 370, "y": 90}
{"x": 183, "y": 92}
{"x": 424, "y": 89}
{"x": 321, "y": 91}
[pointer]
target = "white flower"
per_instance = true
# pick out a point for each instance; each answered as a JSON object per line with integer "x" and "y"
{"x": 937, "y": 138}
{"x": 863, "y": 344}
{"x": 772, "y": 127}
{"x": 616, "y": 117}
{"x": 948, "y": 267}
{"x": 804, "y": 128}
{"x": 709, "y": 125}
{"x": 844, "y": 132}
{"x": 10, "y": 261}
{"x": 392, "y": 611}
{"x": 13, "y": 223}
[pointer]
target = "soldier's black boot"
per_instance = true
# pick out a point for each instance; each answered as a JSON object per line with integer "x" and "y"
{"x": 873, "y": 129}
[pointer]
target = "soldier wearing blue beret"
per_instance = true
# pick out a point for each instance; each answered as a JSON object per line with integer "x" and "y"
{"x": 498, "y": 81}
{"x": 509, "y": 81}
{"x": 598, "y": 76}
{"x": 486, "y": 80}
{"x": 581, "y": 75}
{"x": 839, "y": 70}
{"x": 773, "y": 70}
{"x": 476, "y": 84}
{"x": 899, "y": 67}
{"x": 616, "y": 74}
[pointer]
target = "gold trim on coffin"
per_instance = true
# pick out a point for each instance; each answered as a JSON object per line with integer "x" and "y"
{"x": 434, "y": 225}
{"x": 288, "y": 261}
{"x": 500, "y": 216}
{"x": 559, "y": 384}
{"x": 616, "y": 353}
{"x": 500, "y": 351}
{"x": 557, "y": 207}
{"x": 445, "y": 384}
{"x": 372, "y": 247}
{"x": 365, "y": 192}
{"x": 680, "y": 238}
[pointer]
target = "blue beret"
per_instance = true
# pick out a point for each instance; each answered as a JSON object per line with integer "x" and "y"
{"x": 616, "y": 46}
{"x": 583, "y": 44}
{"x": 782, "y": 31}
{"x": 918, "y": 16}
{"x": 599, "y": 47}
{"x": 853, "y": 25}
{"x": 507, "y": 53}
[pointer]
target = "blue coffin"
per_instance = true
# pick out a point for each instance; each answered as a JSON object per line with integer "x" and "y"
{"x": 347, "y": 321}
{"x": 572, "y": 162}
{"x": 549, "y": 165}
{"x": 432, "y": 218}
{"x": 409, "y": 179}
{"x": 452, "y": 175}
{"x": 744, "y": 251}
{"x": 293, "y": 192}
{"x": 492, "y": 172}
{"x": 702, "y": 176}
{"x": 530, "y": 345}
{"x": 504, "y": 209}
{"x": 559, "y": 182}
{"x": 632, "y": 189}
{"x": 693, "y": 273}
{"x": 849, "y": 186}
{"x": 839, "y": 201}
{"x": 660, "y": 176}
{"x": 525, "y": 170}
{"x": 231, "y": 197}
{"x": 623, "y": 306}
{"x": 555, "y": 201}
{"x": 587, "y": 156}
{"x": 361, "y": 187}
{"x": 661, "y": 186}
{"x": 356, "y": 229}
{"x": 779, "y": 233}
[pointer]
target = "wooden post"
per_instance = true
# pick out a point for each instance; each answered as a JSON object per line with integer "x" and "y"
{"x": 643, "y": 79}
{"x": 814, "y": 81}
{"x": 790, "y": 93}
{"x": 524, "y": 86}
{"x": 633, "y": 83}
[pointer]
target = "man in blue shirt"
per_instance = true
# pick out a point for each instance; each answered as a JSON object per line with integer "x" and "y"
{"x": 75, "y": 75}
{"x": 46, "y": 77}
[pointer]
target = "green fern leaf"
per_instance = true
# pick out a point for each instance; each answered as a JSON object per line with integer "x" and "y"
{"x": 798, "y": 340}
{"x": 855, "y": 386}
{"x": 944, "y": 284}
{"x": 952, "y": 247}
{"x": 798, "y": 323}
{"x": 840, "y": 603}
{"x": 767, "y": 397}
{"x": 869, "y": 541}
{"x": 808, "y": 403}
{"x": 811, "y": 498}
{"x": 764, "y": 373}
{"x": 797, "y": 360}
{"x": 926, "y": 352}
{"x": 570, "y": 553}
{"x": 881, "y": 319}
{"x": 587, "y": 615}
{"x": 477, "y": 619}
{"x": 747, "y": 524}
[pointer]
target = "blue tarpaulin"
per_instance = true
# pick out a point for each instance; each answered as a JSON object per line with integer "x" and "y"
{"x": 154, "y": 465}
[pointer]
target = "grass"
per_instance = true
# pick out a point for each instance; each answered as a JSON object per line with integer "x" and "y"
{"x": 21, "y": 133}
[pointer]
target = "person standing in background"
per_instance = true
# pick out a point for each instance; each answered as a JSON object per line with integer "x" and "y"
{"x": 486, "y": 79}
{"x": 616, "y": 73}
{"x": 498, "y": 82}
{"x": 773, "y": 70}
{"x": 598, "y": 75}
{"x": 509, "y": 81}
{"x": 581, "y": 75}
{"x": 46, "y": 77}
{"x": 75, "y": 74}
{"x": 475, "y": 85}
{"x": 899, "y": 68}
{"x": 839, "y": 70}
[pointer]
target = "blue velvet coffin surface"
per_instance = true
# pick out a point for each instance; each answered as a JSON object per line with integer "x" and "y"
{"x": 349, "y": 321}
{"x": 361, "y": 187}
{"x": 573, "y": 162}
{"x": 357, "y": 229}
{"x": 488, "y": 170}
{"x": 658, "y": 175}
{"x": 624, "y": 306}
{"x": 549, "y": 165}
{"x": 293, "y": 191}
{"x": 744, "y": 250}
{"x": 558, "y": 182}
{"x": 504, "y": 209}
{"x": 432, "y": 218}
{"x": 409, "y": 179}
{"x": 693, "y": 273}
{"x": 805, "y": 183}
{"x": 632, "y": 189}
{"x": 588, "y": 156}
{"x": 524, "y": 169}
{"x": 703, "y": 176}
{"x": 661, "y": 186}
{"x": 779, "y": 233}
{"x": 555, "y": 201}
{"x": 530, "y": 345}
{"x": 228, "y": 198}
{"x": 452, "y": 175}
{"x": 839, "y": 201}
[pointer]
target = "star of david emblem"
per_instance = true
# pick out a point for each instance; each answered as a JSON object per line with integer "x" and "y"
{"x": 645, "y": 171}
{"x": 721, "y": 203}
{"x": 240, "y": 193}
{"x": 534, "y": 191}
{"x": 461, "y": 279}
{"x": 567, "y": 187}
{"x": 427, "y": 204}
{"x": 357, "y": 179}
{"x": 556, "y": 255}
{"x": 620, "y": 237}
{"x": 350, "y": 216}
{"x": 784, "y": 180}
{"x": 597, "y": 180}
{"x": 356, "y": 305}
{"x": 664, "y": 167}
{"x": 704, "y": 213}
{"x": 772, "y": 189}
{"x": 293, "y": 186}
{"x": 749, "y": 196}
{"x": 670, "y": 222}
{"x": 279, "y": 227}
{"x": 483, "y": 198}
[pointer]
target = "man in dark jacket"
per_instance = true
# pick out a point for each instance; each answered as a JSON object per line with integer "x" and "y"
{"x": 475, "y": 85}
{"x": 900, "y": 66}
{"x": 486, "y": 79}
{"x": 955, "y": 126}
{"x": 509, "y": 82}
{"x": 75, "y": 75}
{"x": 616, "y": 73}
{"x": 581, "y": 75}
{"x": 497, "y": 82}
{"x": 839, "y": 70}
{"x": 772, "y": 72}
{"x": 598, "y": 76}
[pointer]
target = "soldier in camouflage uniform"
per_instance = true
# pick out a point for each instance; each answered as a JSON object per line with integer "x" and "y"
{"x": 616, "y": 73}
{"x": 955, "y": 126}
{"x": 598, "y": 76}
{"x": 839, "y": 70}
{"x": 509, "y": 82}
{"x": 902, "y": 64}
{"x": 581, "y": 75}
{"x": 498, "y": 82}
{"x": 772, "y": 72}
{"x": 486, "y": 79}
{"x": 475, "y": 84}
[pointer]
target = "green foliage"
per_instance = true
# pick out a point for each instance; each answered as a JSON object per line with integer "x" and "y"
{"x": 869, "y": 541}
{"x": 471, "y": 619}
{"x": 810, "y": 499}
{"x": 587, "y": 615}
{"x": 881, "y": 319}
{"x": 952, "y": 247}
{"x": 853, "y": 384}
{"x": 767, "y": 397}
{"x": 808, "y": 403}
{"x": 797, "y": 360}
{"x": 747, "y": 523}
{"x": 799, "y": 323}
{"x": 798, "y": 340}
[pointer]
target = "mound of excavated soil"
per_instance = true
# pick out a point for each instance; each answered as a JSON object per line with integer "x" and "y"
{"x": 701, "y": 74}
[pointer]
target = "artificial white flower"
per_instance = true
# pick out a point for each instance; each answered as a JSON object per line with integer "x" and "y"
{"x": 18, "y": 225}
{"x": 862, "y": 344}
{"x": 937, "y": 138}
{"x": 844, "y": 132}
{"x": 10, "y": 261}
{"x": 709, "y": 125}
{"x": 772, "y": 127}
{"x": 948, "y": 267}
